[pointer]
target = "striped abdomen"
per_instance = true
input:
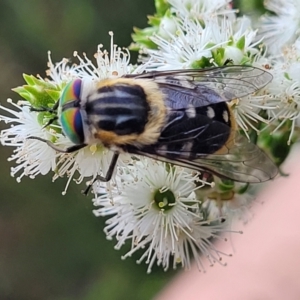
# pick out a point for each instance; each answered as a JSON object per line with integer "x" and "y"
{"x": 119, "y": 108}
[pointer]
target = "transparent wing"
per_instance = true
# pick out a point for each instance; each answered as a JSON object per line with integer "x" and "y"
{"x": 229, "y": 82}
{"x": 241, "y": 161}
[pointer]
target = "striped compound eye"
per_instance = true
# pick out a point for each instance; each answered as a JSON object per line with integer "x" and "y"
{"x": 70, "y": 114}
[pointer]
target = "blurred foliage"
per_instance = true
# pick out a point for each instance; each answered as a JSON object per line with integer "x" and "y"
{"x": 52, "y": 246}
{"x": 250, "y": 8}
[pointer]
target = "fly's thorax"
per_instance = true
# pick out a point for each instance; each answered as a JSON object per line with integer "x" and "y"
{"x": 88, "y": 88}
{"x": 157, "y": 117}
{"x": 125, "y": 111}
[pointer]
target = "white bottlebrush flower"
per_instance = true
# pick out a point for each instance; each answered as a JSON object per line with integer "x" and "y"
{"x": 282, "y": 27}
{"x": 61, "y": 72}
{"x": 247, "y": 111}
{"x": 90, "y": 161}
{"x": 228, "y": 200}
{"x": 113, "y": 64}
{"x": 285, "y": 88}
{"x": 108, "y": 64}
{"x": 34, "y": 156}
{"x": 181, "y": 50}
{"x": 156, "y": 209}
{"x": 194, "y": 44}
{"x": 192, "y": 244}
{"x": 201, "y": 9}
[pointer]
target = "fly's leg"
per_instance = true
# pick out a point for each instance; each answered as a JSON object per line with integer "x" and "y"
{"x": 50, "y": 144}
{"x": 74, "y": 148}
{"x": 108, "y": 174}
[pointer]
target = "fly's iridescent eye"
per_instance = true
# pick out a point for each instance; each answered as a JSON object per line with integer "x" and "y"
{"x": 70, "y": 115}
{"x": 71, "y": 92}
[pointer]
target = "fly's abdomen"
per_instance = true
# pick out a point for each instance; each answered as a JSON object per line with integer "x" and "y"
{"x": 197, "y": 130}
{"x": 194, "y": 131}
{"x": 119, "y": 108}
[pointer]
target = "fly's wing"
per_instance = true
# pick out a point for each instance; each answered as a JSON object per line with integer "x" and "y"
{"x": 221, "y": 83}
{"x": 243, "y": 162}
{"x": 203, "y": 143}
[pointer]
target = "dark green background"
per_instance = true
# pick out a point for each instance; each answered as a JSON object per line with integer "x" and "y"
{"x": 52, "y": 246}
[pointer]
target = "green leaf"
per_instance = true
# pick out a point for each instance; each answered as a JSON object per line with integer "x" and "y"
{"x": 53, "y": 94}
{"x": 29, "y": 79}
{"x": 226, "y": 185}
{"x": 218, "y": 55}
{"x": 243, "y": 189}
{"x": 201, "y": 63}
{"x": 161, "y": 7}
{"x": 241, "y": 43}
{"x": 141, "y": 37}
